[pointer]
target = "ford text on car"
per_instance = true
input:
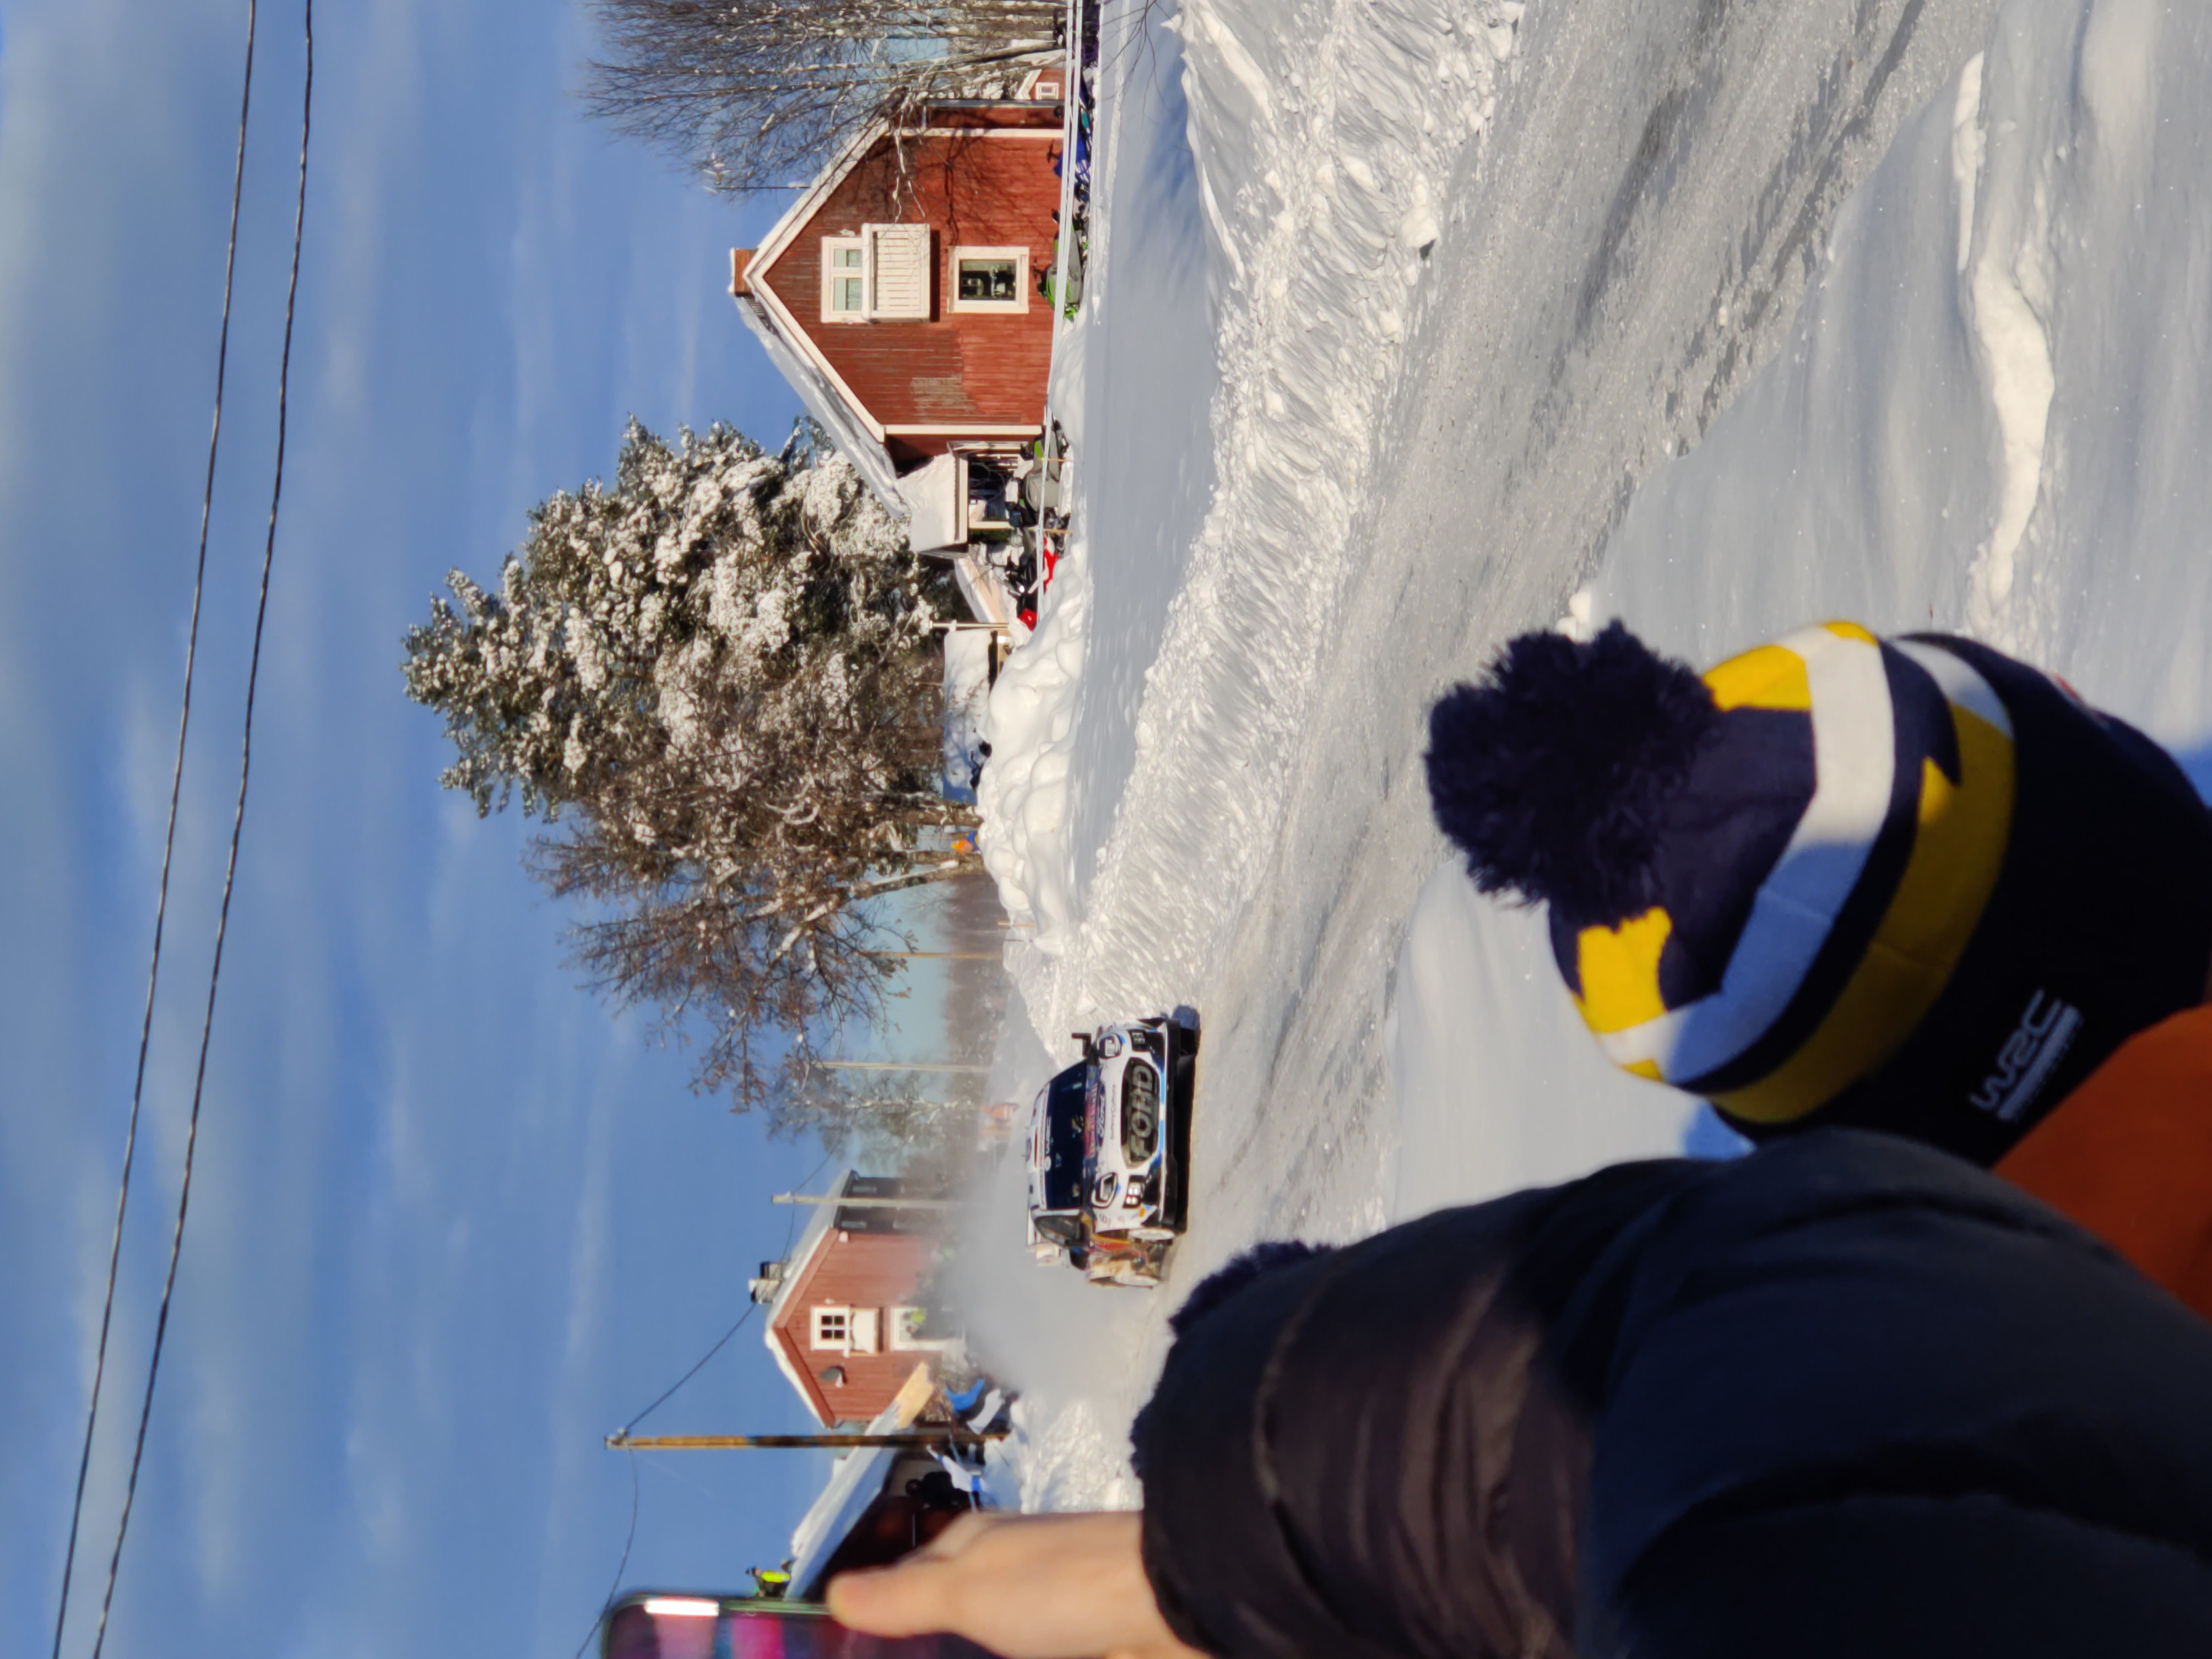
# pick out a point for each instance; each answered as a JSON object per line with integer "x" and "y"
{"x": 1109, "y": 1151}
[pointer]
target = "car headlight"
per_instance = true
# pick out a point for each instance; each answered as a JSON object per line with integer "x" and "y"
{"x": 1109, "y": 1045}
{"x": 1102, "y": 1191}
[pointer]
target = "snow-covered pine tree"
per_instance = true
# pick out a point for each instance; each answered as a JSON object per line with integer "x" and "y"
{"x": 719, "y": 679}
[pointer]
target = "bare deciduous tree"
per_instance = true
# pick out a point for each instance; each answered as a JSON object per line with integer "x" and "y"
{"x": 756, "y": 93}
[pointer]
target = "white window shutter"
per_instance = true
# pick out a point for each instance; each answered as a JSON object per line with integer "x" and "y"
{"x": 902, "y": 264}
{"x": 863, "y": 1329}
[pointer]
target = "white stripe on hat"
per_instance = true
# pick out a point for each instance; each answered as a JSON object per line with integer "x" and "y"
{"x": 1957, "y": 681}
{"x": 1855, "y": 762}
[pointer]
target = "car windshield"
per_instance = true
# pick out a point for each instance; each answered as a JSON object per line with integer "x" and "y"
{"x": 1062, "y": 1186}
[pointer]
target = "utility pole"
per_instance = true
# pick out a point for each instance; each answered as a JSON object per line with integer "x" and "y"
{"x": 866, "y": 1203}
{"x": 910, "y": 1439}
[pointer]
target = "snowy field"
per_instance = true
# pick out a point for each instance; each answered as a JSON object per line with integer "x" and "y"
{"x": 1418, "y": 323}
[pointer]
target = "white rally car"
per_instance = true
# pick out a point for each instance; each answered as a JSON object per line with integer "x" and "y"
{"x": 1109, "y": 1151}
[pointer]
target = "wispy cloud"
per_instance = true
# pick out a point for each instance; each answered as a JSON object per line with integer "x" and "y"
{"x": 451, "y": 1219}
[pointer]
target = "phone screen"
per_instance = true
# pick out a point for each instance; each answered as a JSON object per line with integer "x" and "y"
{"x": 666, "y": 1626}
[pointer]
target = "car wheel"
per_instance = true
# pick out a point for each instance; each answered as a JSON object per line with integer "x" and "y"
{"x": 1177, "y": 1209}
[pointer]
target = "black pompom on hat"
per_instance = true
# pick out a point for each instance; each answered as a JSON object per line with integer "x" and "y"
{"x": 1553, "y": 772}
{"x": 1907, "y": 884}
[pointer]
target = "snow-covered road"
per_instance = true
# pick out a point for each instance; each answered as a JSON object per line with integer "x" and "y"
{"x": 1628, "y": 244}
{"x": 1474, "y": 274}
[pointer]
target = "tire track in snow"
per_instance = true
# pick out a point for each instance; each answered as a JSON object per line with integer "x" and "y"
{"x": 1512, "y": 451}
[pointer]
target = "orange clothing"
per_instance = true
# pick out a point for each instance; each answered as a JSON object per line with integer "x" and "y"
{"x": 2129, "y": 1155}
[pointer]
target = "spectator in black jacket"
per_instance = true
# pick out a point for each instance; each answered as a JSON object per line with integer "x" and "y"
{"x": 1845, "y": 1396}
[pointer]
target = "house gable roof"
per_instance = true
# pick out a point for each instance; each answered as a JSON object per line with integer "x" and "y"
{"x": 822, "y": 391}
{"x": 819, "y": 1262}
{"x": 823, "y": 396}
{"x": 782, "y": 233}
{"x": 798, "y": 1266}
{"x": 941, "y": 383}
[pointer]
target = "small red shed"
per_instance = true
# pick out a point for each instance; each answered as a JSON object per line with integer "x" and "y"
{"x": 845, "y": 1322}
{"x": 902, "y": 293}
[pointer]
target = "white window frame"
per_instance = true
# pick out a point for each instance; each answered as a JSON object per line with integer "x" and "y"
{"x": 820, "y": 1337}
{"x": 1023, "y": 277}
{"x": 832, "y": 273}
{"x": 902, "y": 1342}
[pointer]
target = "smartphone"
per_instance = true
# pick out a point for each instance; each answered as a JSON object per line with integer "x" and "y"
{"x": 662, "y": 1624}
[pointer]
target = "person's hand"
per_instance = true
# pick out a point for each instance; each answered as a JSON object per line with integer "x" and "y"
{"x": 1024, "y": 1586}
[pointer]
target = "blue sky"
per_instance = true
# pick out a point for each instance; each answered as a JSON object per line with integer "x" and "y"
{"x": 453, "y": 1223}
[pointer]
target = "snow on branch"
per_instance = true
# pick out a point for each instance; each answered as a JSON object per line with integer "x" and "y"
{"x": 716, "y": 682}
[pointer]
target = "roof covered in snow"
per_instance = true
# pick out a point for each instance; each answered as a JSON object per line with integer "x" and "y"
{"x": 803, "y": 1250}
{"x": 826, "y": 402}
{"x": 855, "y": 1482}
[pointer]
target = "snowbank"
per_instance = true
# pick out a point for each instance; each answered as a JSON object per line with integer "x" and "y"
{"x": 1024, "y": 791}
{"x": 1319, "y": 157}
{"x": 1993, "y": 415}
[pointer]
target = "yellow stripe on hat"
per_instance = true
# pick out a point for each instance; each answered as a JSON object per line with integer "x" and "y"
{"x": 1854, "y": 747}
{"x": 1958, "y": 847}
{"x": 1768, "y": 677}
{"x": 1618, "y": 967}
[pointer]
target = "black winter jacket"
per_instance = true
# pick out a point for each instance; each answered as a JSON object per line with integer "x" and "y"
{"x": 1845, "y": 1396}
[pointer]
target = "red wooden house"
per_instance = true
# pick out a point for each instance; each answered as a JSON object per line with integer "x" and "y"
{"x": 901, "y": 293}
{"x": 844, "y": 1319}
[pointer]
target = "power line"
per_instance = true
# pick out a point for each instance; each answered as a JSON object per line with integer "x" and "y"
{"x": 720, "y": 1342}
{"x": 621, "y": 1566}
{"x": 168, "y": 846}
{"x": 237, "y": 832}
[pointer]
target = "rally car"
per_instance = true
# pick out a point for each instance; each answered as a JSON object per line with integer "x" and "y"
{"x": 1109, "y": 1151}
